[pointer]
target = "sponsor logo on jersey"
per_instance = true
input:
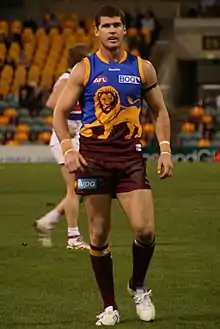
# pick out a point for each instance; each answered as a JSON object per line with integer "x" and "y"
{"x": 100, "y": 80}
{"x": 132, "y": 79}
{"x": 86, "y": 183}
{"x": 114, "y": 69}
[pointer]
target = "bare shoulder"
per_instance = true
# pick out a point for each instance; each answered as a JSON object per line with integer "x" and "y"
{"x": 149, "y": 72}
{"x": 78, "y": 73}
{"x": 147, "y": 66}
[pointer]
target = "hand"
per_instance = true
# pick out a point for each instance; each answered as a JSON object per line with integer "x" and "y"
{"x": 74, "y": 161}
{"x": 165, "y": 165}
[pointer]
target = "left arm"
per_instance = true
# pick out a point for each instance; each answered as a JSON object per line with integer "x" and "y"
{"x": 154, "y": 98}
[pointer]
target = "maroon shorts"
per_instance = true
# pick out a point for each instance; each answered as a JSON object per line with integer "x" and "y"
{"x": 102, "y": 177}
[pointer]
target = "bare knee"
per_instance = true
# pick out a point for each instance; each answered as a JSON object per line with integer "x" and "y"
{"x": 98, "y": 236}
{"x": 99, "y": 228}
{"x": 98, "y": 213}
{"x": 144, "y": 234}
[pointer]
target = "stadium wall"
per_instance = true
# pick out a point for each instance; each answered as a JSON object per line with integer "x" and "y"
{"x": 23, "y": 8}
{"x": 42, "y": 154}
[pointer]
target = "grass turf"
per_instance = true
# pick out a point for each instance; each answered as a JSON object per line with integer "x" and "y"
{"x": 54, "y": 288}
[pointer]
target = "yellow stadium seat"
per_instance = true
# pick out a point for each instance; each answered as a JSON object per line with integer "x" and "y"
{"x": 4, "y": 88}
{"x": 28, "y": 36}
{"x": 206, "y": 119}
{"x": 11, "y": 113}
{"x": 12, "y": 143}
{"x": 53, "y": 33}
{"x": 148, "y": 128}
{"x": 14, "y": 52}
{"x": 40, "y": 34}
{"x": 15, "y": 46}
{"x": 188, "y": 127}
{"x": 16, "y": 27}
{"x": 20, "y": 75}
{"x": 44, "y": 137}
{"x": 70, "y": 24}
{"x": 21, "y": 137}
{"x": 197, "y": 112}
{"x": 23, "y": 128}
{"x": 4, "y": 28}
{"x": 67, "y": 33}
{"x": 33, "y": 74}
{"x": 4, "y": 120}
{"x": 203, "y": 143}
{"x": 3, "y": 52}
{"x": 29, "y": 50}
{"x": 39, "y": 59}
{"x": 7, "y": 73}
{"x": 48, "y": 120}
{"x": 57, "y": 41}
{"x": 3, "y": 49}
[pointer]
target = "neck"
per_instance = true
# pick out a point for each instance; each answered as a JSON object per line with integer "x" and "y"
{"x": 113, "y": 55}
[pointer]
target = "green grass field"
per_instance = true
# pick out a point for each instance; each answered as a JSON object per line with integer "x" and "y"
{"x": 54, "y": 288}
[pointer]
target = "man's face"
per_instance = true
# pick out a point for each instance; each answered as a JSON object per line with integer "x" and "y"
{"x": 110, "y": 32}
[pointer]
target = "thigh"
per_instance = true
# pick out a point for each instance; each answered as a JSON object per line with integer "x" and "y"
{"x": 135, "y": 196}
{"x": 95, "y": 179}
{"x": 69, "y": 179}
{"x": 98, "y": 210}
{"x": 132, "y": 176}
{"x": 139, "y": 208}
{"x": 56, "y": 149}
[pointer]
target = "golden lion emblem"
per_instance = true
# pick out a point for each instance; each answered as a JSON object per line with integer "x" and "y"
{"x": 109, "y": 113}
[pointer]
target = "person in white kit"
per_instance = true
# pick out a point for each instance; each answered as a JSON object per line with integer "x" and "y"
{"x": 70, "y": 204}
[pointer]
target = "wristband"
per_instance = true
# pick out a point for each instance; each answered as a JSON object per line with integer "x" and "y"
{"x": 66, "y": 145}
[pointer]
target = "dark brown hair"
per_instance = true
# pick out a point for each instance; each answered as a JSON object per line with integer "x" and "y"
{"x": 109, "y": 11}
{"x": 76, "y": 54}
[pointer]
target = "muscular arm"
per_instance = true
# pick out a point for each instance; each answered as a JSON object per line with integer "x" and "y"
{"x": 67, "y": 100}
{"x": 52, "y": 100}
{"x": 154, "y": 98}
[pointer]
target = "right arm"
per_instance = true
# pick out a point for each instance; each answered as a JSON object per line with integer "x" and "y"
{"x": 64, "y": 105}
{"x": 67, "y": 100}
{"x": 52, "y": 100}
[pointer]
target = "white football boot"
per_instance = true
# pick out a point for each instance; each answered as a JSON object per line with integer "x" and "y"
{"x": 109, "y": 317}
{"x": 144, "y": 307}
{"x": 43, "y": 232}
{"x": 77, "y": 243}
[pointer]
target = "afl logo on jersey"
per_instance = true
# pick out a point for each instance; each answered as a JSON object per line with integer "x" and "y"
{"x": 133, "y": 79}
{"x": 100, "y": 80}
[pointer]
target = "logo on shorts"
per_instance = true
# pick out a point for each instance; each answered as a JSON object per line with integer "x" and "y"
{"x": 86, "y": 183}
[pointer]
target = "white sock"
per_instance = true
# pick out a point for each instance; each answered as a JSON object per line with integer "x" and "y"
{"x": 73, "y": 231}
{"x": 52, "y": 217}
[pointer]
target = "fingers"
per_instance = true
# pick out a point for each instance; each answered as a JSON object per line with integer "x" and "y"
{"x": 159, "y": 168}
{"x": 82, "y": 160}
{"x": 74, "y": 162}
{"x": 167, "y": 171}
{"x": 164, "y": 168}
